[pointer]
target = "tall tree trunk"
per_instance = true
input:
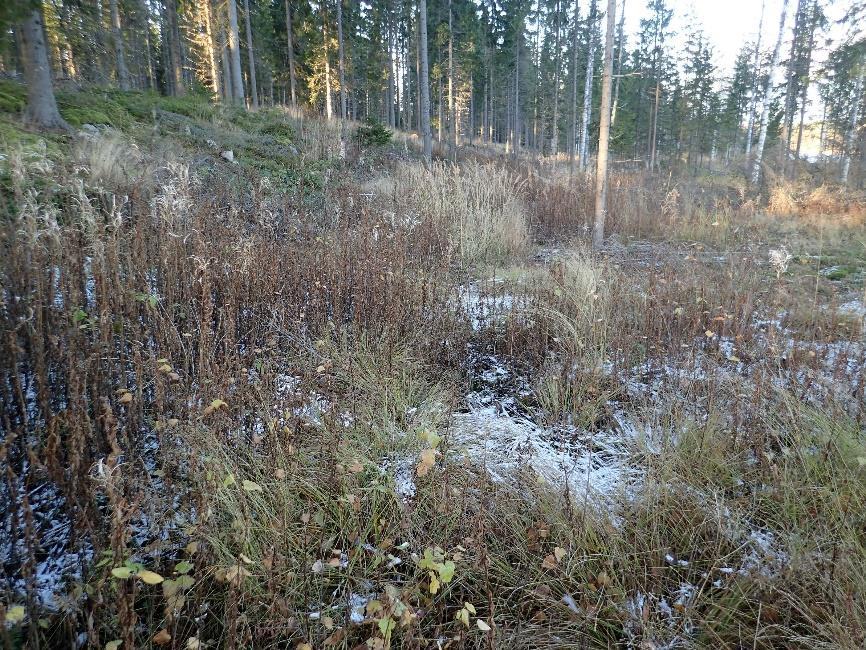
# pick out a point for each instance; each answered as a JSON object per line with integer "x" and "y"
{"x": 557, "y": 59}
{"x": 175, "y": 67}
{"x": 119, "y": 58}
{"x": 765, "y": 109}
{"x": 515, "y": 138}
{"x": 210, "y": 46}
{"x": 587, "y": 91}
{"x": 251, "y": 55}
{"x": 790, "y": 95}
{"x": 621, "y": 38}
{"x": 424, "y": 86}
{"x": 228, "y": 91}
{"x": 341, "y": 71}
{"x": 41, "y": 108}
{"x": 235, "y": 54}
{"x": 756, "y": 68}
{"x": 329, "y": 107}
{"x": 573, "y": 143}
{"x": 452, "y": 114}
{"x": 852, "y": 128}
{"x": 654, "y": 131}
{"x": 389, "y": 114}
{"x": 291, "y": 50}
{"x": 604, "y": 130}
{"x": 805, "y": 73}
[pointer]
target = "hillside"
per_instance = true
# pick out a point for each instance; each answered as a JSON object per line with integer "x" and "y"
{"x": 279, "y": 398}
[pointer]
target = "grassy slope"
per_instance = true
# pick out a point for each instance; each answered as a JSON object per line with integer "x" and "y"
{"x": 296, "y": 350}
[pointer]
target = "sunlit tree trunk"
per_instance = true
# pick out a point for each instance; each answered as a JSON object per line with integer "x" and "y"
{"x": 765, "y": 109}
{"x": 424, "y": 86}
{"x": 41, "y": 108}
{"x": 621, "y": 38}
{"x": 254, "y": 93}
{"x": 807, "y": 65}
{"x": 235, "y": 54}
{"x": 604, "y": 130}
{"x": 210, "y": 46}
{"x": 329, "y": 107}
{"x": 291, "y": 50}
{"x": 452, "y": 113}
{"x": 341, "y": 71}
{"x": 175, "y": 68}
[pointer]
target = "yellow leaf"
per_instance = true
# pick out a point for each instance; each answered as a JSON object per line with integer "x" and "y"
{"x": 710, "y": 334}
{"x": 484, "y": 627}
{"x": 434, "y": 584}
{"x": 121, "y": 572}
{"x": 113, "y": 645}
{"x": 192, "y": 643}
{"x": 470, "y": 607}
{"x": 126, "y": 398}
{"x": 15, "y": 614}
{"x": 251, "y": 486}
{"x": 559, "y": 553}
{"x": 149, "y": 577}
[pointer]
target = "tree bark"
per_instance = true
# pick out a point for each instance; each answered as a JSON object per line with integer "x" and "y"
{"x": 604, "y": 130}
{"x": 621, "y": 37}
{"x": 235, "y": 54}
{"x": 755, "y": 71}
{"x": 41, "y": 108}
{"x": 554, "y": 135}
{"x": 291, "y": 49}
{"x": 452, "y": 113}
{"x": 210, "y": 46}
{"x": 573, "y": 144}
{"x": 251, "y": 55}
{"x": 765, "y": 109}
{"x": 587, "y": 92}
{"x": 424, "y": 84}
{"x": 119, "y": 58}
{"x": 341, "y": 71}
{"x": 852, "y": 129}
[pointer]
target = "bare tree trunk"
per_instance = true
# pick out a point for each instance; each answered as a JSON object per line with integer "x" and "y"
{"x": 175, "y": 67}
{"x": 573, "y": 143}
{"x": 452, "y": 114}
{"x": 291, "y": 48}
{"x": 654, "y": 137}
{"x": 604, "y": 130}
{"x": 554, "y": 136}
{"x": 621, "y": 36}
{"x": 765, "y": 109}
{"x": 228, "y": 93}
{"x": 852, "y": 129}
{"x": 804, "y": 91}
{"x": 210, "y": 46}
{"x": 424, "y": 86}
{"x": 254, "y": 93}
{"x": 41, "y": 108}
{"x": 235, "y": 54}
{"x": 119, "y": 58}
{"x": 329, "y": 107}
{"x": 587, "y": 92}
{"x": 790, "y": 97}
{"x": 391, "y": 117}
{"x": 341, "y": 70}
{"x": 756, "y": 67}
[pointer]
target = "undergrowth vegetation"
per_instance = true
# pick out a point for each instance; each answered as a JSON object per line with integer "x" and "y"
{"x": 284, "y": 399}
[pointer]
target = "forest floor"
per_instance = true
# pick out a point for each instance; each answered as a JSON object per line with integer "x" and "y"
{"x": 255, "y": 395}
